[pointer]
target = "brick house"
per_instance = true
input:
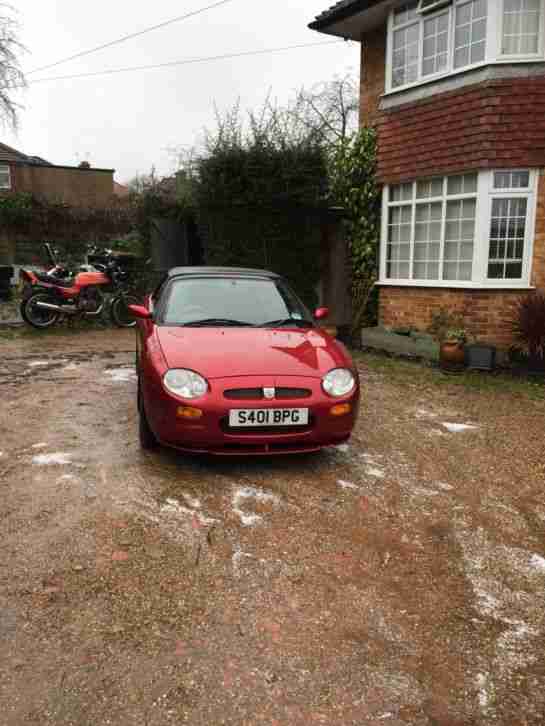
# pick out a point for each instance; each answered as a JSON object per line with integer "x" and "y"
{"x": 456, "y": 91}
{"x": 80, "y": 186}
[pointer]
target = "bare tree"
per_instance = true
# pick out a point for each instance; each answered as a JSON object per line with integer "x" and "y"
{"x": 11, "y": 75}
{"x": 329, "y": 110}
{"x": 144, "y": 182}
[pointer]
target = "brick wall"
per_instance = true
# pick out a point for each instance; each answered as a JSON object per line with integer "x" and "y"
{"x": 499, "y": 123}
{"x": 373, "y": 75}
{"x": 488, "y": 314}
{"x": 78, "y": 187}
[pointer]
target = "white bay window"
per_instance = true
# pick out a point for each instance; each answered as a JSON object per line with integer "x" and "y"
{"x": 465, "y": 230}
{"x": 428, "y": 40}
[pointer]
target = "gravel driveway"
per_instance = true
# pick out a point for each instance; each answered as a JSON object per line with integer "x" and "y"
{"x": 399, "y": 579}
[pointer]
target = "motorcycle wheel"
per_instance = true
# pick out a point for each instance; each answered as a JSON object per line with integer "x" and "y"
{"x": 35, "y": 316}
{"x": 121, "y": 315}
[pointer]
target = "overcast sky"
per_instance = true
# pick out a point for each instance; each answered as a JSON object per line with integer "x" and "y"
{"x": 128, "y": 121}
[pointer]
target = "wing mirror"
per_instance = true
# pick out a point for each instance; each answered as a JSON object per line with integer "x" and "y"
{"x": 321, "y": 313}
{"x": 139, "y": 311}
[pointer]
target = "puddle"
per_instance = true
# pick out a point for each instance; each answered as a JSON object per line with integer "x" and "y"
{"x": 121, "y": 375}
{"x": 373, "y": 471}
{"x": 242, "y": 494}
{"x": 58, "y": 458}
{"x": 456, "y": 428}
{"x": 538, "y": 562}
{"x": 346, "y": 484}
{"x": 174, "y": 508}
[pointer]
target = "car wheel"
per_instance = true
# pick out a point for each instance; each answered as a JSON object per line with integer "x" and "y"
{"x": 147, "y": 438}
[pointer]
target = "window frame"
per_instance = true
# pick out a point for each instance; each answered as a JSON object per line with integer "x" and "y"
{"x": 6, "y": 167}
{"x": 506, "y": 57}
{"x": 484, "y": 195}
{"x": 493, "y": 45}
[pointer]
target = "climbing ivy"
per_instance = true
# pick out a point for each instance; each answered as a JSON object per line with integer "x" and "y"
{"x": 354, "y": 187}
{"x": 15, "y": 210}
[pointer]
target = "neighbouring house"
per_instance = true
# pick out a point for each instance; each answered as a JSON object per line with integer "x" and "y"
{"x": 80, "y": 186}
{"x": 456, "y": 91}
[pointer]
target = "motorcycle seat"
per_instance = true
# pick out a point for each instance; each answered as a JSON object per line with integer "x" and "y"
{"x": 60, "y": 281}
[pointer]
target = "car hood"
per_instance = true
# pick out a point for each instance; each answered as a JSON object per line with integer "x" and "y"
{"x": 224, "y": 352}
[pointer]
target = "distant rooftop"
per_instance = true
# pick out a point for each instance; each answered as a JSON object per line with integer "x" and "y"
{"x": 11, "y": 155}
{"x": 7, "y": 153}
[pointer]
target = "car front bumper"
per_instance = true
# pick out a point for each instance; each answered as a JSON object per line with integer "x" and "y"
{"x": 211, "y": 433}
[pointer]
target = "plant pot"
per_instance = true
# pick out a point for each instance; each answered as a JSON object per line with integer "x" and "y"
{"x": 452, "y": 356}
{"x": 480, "y": 357}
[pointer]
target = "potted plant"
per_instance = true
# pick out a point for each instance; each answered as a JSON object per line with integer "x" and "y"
{"x": 451, "y": 350}
{"x": 529, "y": 329}
{"x": 448, "y": 330}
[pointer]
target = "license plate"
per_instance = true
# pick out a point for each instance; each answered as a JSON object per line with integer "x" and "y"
{"x": 239, "y": 417}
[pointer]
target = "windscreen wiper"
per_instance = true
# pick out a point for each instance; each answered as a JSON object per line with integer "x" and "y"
{"x": 217, "y": 321}
{"x": 296, "y": 322}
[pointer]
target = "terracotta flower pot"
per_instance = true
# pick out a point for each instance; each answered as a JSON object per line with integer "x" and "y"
{"x": 451, "y": 355}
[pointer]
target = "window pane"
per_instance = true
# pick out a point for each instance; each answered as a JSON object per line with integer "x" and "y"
{"x": 401, "y": 192}
{"x": 470, "y": 33}
{"x": 405, "y": 55}
{"x": 459, "y": 236}
{"x": 4, "y": 177}
{"x": 521, "y": 20}
{"x": 429, "y": 188}
{"x": 435, "y": 45}
{"x": 511, "y": 179}
{"x": 462, "y": 184}
{"x": 507, "y": 232}
{"x": 405, "y": 13}
{"x": 427, "y": 243}
{"x": 399, "y": 237}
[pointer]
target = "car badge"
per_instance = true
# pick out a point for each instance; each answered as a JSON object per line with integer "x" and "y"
{"x": 269, "y": 393}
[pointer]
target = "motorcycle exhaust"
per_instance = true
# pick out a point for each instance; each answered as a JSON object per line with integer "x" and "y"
{"x": 67, "y": 309}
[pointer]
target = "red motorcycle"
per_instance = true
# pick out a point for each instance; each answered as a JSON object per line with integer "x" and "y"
{"x": 50, "y": 296}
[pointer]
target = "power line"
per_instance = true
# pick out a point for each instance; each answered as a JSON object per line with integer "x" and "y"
{"x": 188, "y": 61}
{"x": 131, "y": 36}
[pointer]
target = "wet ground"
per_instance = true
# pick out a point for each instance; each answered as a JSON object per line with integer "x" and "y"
{"x": 396, "y": 580}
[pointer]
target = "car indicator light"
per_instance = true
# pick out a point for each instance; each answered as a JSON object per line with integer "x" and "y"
{"x": 341, "y": 409}
{"x": 188, "y": 412}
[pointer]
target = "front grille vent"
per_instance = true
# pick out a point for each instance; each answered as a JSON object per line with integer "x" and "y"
{"x": 244, "y": 394}
{"x": 256, "y": 394}
{"x": 283, "y": 393}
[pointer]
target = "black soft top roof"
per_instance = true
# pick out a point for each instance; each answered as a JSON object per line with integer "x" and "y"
{"x": 219, "y": 271}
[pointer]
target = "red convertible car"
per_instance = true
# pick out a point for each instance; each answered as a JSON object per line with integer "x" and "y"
{"x": 230, "y": 361}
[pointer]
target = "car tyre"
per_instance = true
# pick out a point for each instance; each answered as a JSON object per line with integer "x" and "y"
{"x": 148, "y": 440}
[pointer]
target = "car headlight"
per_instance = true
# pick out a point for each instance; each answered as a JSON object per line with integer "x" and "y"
{"x": 338, "y": 382}
{"x": 184, "y": 383}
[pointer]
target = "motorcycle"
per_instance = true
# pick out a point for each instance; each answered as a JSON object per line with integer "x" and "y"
{"x": 50, "y": 296}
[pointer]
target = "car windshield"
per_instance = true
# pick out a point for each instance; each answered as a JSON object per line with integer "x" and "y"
{"x": 236, "y": 301}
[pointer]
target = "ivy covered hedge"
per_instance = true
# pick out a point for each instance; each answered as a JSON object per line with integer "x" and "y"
{"x": 30, "y": 221}
{"x": 259, "y": 204}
